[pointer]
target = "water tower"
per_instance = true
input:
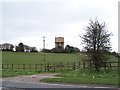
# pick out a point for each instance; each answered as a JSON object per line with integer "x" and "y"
{"x": 59, "y": 42}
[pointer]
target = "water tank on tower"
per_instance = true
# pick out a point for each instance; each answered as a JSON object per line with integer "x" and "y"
{"x": 59, "y": 42}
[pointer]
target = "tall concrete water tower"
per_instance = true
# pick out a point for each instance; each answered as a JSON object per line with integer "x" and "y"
{"x": 59, "y": 42}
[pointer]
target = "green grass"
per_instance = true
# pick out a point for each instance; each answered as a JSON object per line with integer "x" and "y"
{"x": 86, "y": 77}
{"x": 38, "y": 58}
{"x": 12, "y": 73}
{"x": 82, "y": 76}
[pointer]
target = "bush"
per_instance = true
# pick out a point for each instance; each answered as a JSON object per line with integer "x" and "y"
{"x": 46, "y": 51}
{"x": 57, "y": 50}
{"x": 71, "y": 49}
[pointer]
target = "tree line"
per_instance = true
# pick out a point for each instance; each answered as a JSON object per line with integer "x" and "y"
{"x": 67, "y": 49}
{"x": 20, "y": 48}
{"x": 25, "y": 48}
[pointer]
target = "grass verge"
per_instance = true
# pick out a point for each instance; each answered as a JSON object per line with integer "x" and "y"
{"x": 82, "y": 76}
{"x": 13, "y": 73}
{"x": 86, "y": 77}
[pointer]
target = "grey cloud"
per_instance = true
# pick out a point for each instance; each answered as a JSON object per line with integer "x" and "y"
{"x": 48, "y": 12}
{"x": 50, "y": 18}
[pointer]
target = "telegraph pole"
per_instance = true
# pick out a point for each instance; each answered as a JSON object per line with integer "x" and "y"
{"x": 44, "y": 46}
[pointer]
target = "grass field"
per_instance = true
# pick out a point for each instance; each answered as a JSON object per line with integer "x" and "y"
{"x": 38, "y": 58}
{"x": 81, "y": 76}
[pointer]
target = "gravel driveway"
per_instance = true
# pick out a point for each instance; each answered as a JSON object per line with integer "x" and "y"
{"x": 30, "y": 78}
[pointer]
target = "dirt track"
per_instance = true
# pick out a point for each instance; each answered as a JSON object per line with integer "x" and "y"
{"x": 29, "y": 78}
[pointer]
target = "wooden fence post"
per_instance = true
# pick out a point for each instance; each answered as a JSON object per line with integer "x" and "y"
{"x": 12, "y": 66}
{"x": 74, "y": 66}
{"x": 61, "y": 66}
{"x": 23, "y": 66}
{"x": 110, "y": 65}
{"x": 79, "y": 65}
{"x": 83, "y": 64}
{"x": 41, "y": 67}
{"x": 2, "y": 66}
{"x": 48, "y": 68}
{"x": 45, "y": 67}
{"x": 54, "y": 67}
{"x": 35, "y": 66}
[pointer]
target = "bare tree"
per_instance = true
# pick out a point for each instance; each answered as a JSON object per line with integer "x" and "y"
{"x": 96, "y": 41}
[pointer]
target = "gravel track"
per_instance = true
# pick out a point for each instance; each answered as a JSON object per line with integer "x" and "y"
{"x": 29, "y": 78}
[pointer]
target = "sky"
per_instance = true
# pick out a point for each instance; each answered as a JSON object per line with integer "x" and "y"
{"x": 27, "y": 21}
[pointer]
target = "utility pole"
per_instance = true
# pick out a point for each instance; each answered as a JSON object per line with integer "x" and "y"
{"x": 44, "y": 46}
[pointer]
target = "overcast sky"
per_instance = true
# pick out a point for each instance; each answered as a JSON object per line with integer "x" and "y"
{"x": 28, "y": 22}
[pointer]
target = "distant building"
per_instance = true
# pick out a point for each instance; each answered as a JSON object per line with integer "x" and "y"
{"x": 59, "y": 42}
